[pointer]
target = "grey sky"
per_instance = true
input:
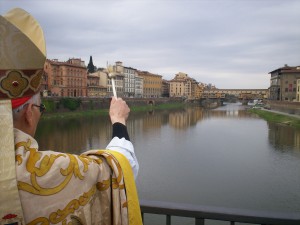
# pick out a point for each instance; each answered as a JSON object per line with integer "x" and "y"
{"x": 229, "y": 43}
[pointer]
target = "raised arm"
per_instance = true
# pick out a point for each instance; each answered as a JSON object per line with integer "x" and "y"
{"x": 119, "y": 112}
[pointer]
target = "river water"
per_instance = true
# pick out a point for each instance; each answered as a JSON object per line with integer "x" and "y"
{"x": 225, "y": 157}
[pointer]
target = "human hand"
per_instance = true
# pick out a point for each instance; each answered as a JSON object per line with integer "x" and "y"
{"x": 118, "y": 111}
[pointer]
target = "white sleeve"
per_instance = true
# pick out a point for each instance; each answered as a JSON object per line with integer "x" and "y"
{"x": 125, "y": 147}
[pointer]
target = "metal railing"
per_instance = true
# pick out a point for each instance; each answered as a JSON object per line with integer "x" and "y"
{"x": 201, "y": 213}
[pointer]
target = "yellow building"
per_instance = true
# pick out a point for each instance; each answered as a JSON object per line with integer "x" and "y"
{"x": 183, "y": 86}
{"x": 152, "y": 84}
{"x": 199, "y": 88}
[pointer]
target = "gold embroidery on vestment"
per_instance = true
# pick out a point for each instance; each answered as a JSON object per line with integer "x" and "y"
{"x": 125, "y": 205}
{"x": 112, "y": 162}
{"x": 61, "y": 215}
{"x": 76, "y": 221}
{"x": 104, "y": 185}
{"x": 19, "y": 159}
{"x": 46, "y": 164}
{"x": 39, "y": 221}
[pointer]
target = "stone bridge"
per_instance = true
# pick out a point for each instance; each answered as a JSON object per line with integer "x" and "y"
{"x": 242, "y": 94}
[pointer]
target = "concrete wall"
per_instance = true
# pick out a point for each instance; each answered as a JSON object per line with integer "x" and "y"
{"x": 55, "y": 105}
{"x": 285, "y": 106}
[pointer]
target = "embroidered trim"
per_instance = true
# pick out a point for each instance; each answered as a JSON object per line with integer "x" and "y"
{"x": 39, "y": 166}
{"x": 17, "y": 82}
{"x": 14, "y": 84}
{"x": 36, "y": 80}
{"x": 61, "y": 215}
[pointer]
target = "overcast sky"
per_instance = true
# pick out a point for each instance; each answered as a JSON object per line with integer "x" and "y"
{"x": 229, "y": 43}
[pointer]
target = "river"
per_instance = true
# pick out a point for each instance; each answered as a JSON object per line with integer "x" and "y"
{"x": 224, "y": 157}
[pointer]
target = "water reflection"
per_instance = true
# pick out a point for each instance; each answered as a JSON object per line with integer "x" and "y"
{"x": 283, "y": 137}
{"x": 73, "y": 135}
{"x": 234, "y": 110}
{"x": 77, "y": 135}
{"x": 185, "y": 118}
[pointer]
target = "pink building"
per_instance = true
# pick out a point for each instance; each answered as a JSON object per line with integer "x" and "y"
{"x": 66, "y": 79}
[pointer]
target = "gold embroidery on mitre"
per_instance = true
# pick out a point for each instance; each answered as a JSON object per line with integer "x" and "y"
{"x": 36, "y": 80}
{"x": 14, "y": 84}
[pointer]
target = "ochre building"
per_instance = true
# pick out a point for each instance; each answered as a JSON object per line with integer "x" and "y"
{"x": 152, "y": 84}
{"x": 184, "y": 86}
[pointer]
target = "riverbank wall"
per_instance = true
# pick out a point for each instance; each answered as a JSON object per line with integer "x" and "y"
{"x": 60, "y": 105}
{"x": 283, "y": 106}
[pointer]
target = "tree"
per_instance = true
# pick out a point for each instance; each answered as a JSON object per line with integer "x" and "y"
{"x": 91, "y": 67}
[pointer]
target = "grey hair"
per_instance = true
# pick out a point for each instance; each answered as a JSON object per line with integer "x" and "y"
{"x": 35, "y": 99}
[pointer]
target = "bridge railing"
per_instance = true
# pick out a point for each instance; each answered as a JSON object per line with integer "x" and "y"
{"x": 202, "y": 213}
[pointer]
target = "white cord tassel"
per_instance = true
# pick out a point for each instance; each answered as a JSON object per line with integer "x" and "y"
{"x": 112, "y": 75}
{"x": 114, "y": 87}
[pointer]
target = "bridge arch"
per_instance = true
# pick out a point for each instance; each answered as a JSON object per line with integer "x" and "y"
{"x": 151, "y": 102}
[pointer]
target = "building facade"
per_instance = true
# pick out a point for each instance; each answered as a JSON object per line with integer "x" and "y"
{"x": 129, "y": 81}
{"x": 94, "y": 89}
{"x": 138, "y": 86}
{"x": 165, "y": 92}
{"x": 283, "y": 83}
{"x": 183, "y": 86}
{"x": 152, "y": 84}
{"x": 199, "y": 90}
{"x": 65, "y": 79}
{"x": 105, "y": 81}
